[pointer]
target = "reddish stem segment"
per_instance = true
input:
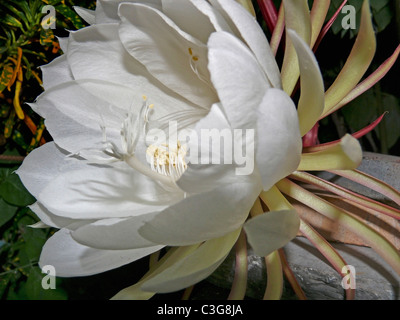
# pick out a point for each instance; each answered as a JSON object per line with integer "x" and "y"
{"x": 269, "y": 13}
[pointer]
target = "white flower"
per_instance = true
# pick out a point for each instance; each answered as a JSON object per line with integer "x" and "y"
{"x": 114, "y": 197}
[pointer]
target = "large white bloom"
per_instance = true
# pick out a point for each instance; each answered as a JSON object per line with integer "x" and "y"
{"x": 115, "y": 199}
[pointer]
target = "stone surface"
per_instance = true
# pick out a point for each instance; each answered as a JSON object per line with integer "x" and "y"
{"x": 375, "y": 280}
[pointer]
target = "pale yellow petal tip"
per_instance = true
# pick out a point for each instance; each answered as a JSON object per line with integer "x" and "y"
{"x": 352, "y": 149}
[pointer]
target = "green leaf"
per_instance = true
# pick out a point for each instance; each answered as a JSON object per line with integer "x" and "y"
{"x": 381, "y": 12}
{"x": 7, "y": 212}
{"x": 46, "y": 37}
{"x": 4, "y": 281}
{"x": 378, "y": 5}
{"x": 361, "y": 111}
{"x": 35, "y": 291}
{"x": 71, "y": 15}
{"x": 13, "y": 191}
{"x": 6, "y": 75}
{"x": 392, "y": 119}
{"x": 382, "y": 18}
{"x": 11, "y": 21}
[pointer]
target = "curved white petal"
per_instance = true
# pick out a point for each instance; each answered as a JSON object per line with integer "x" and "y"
{"x": 188, "y": 18}
{"x": 54, "y": 221}
{"x": 97, "y": 53}
{"x": 196, "y": 17}
{"x": 72, "y": 259}
{"x": 56, "y": 72}
{"x": 249, "y": 30}
{"x": 43, "y": 164}
{"x": 88, "y": 15}
{"x": 194, "y": 267}
{"x": 107, "y": 10}
{"x": 74, "y": 116}
{"x": 279, "y": 144}
{"x": 114, "y": 234}
{"x": 175, "y": 58}
{"x": 271, "y": 231}
{"x": 204, "y": 216}
{"x": 63, "y": 41}
{"x": 208, "y": 166}
{"x": 238, "y": 78}
{"x": 105, "y": 192}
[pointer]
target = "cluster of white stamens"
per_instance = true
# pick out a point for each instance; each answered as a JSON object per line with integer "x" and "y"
{"x": 166, "y": 163}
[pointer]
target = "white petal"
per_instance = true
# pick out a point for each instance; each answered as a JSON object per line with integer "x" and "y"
{"x": 72, "y": 259}
{"x": 105, "y": 192}
{"x": 63, "y": 41}
{"x": 216, "y": 19}
{"x": 271, "y": 231}
{"x": 238, "y": 78}
{"x": 188, "y": 18}
{"x": 203, "y": 171}
{"x": 107, "y": 10}
{"x": 54, "y": 221}
{"x": 167, "y": 52}
{"x": 279, "y": 143}
{"x": 196, "y": 17}
{"x": 56, "y": 72}
{"x": 43, "y": 164}
{"x": 88, "y": 15}
{"x": 97, "y": 53}
{"x": 194, "y": 267}
{"x": 250, "y": 31}
{"x": 74, "y": 116}
{"x": 204, "y": 216}
{"x": 114, "y": 233}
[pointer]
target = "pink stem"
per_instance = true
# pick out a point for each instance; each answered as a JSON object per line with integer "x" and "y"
{"x": 328, "y": 26}
{"x": 269, "y": 13}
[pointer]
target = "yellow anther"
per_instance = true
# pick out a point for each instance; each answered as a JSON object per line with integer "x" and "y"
{"x": 151, "y": 106}
{"x": 190, "y": 51}
{"x": 144, "y": 97}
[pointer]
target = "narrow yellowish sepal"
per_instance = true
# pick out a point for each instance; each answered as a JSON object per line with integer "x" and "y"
{"x": 346, "y": 155}
{"x": 357, "y": 63}
{"x": 297, "y": 18}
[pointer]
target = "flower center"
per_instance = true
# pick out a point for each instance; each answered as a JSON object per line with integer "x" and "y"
{"x": 167, "y": 160}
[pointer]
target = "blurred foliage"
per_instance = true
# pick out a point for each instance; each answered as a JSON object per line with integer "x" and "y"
{"x": 382, "y": 15}
{"x": 25, "y": 45}
{"x": 27, "y": 41}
